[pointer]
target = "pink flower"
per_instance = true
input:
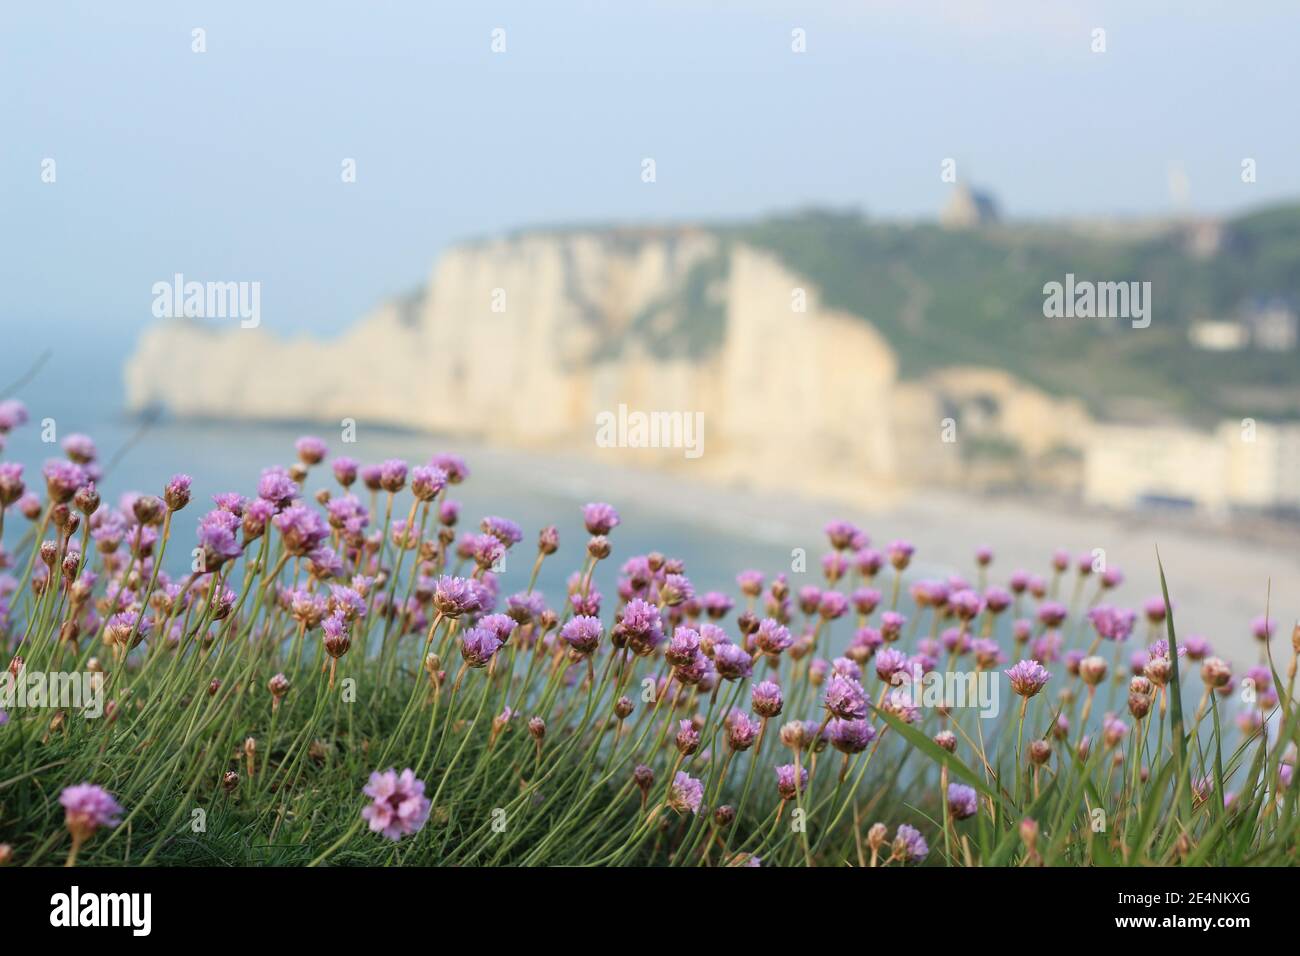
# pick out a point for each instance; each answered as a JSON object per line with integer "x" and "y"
{"x": 686, "y": 793}
{"x": 400, "y": 807}
{"x": 1028, "y": 677}
{"x": 87, "y": 808}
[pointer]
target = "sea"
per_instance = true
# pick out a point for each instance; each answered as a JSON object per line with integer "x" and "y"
{"x": 1218, "y": 581}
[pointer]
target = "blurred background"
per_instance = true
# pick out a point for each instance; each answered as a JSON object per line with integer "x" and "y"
{"x": 824, "y": 229}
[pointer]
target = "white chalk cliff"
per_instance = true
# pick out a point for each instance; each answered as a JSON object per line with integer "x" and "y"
{"x": 525, "y": 341}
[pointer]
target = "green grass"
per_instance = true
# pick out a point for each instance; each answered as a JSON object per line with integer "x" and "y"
{"x": 501, "y": 798}
{"x": 946, "y": 298}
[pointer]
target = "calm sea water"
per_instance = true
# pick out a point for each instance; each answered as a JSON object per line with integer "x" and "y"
{"x": 81, "y": 391}
{"x": 1218, "y": 583}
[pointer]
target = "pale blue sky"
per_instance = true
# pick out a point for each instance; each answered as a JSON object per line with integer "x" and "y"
{"x": 226, "y": 165}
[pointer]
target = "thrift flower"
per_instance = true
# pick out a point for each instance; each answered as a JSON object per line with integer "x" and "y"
{"x": 785, "y": 781}
{"x": 600, "y": 518}
{"x": 962, "y": 800}
{"x": 86, "y": 808}
{"x": 686, "y": 793}
{"x": 845, "y": 698}
{"x": 1028, "y": 678}
{"x": 909, "y": 846}
{"x": 400, "y": 807}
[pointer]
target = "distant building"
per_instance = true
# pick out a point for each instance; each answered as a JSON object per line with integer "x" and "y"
{"x": 1241, "y": 464}
{"x": 1128, "y": 466}
{"x": 968, "y": 209}
{"x": 1272, "y": 324}
{"x": 1269, "y": 325}
{"x": 1203, "y": 238}
{"x": 1219, "y": 335}
{"x": 1263, "y": 463}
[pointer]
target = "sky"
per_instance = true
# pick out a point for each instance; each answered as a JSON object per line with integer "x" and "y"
{"x": 226, "y": 164}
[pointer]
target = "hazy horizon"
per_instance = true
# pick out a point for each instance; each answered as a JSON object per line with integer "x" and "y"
{"x": 226, "y": 164}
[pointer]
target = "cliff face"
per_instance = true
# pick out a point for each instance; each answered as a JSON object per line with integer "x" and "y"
{"x": 527, "y": 341}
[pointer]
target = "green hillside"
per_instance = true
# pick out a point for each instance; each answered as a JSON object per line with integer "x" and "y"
{"x": 944, "y": 298}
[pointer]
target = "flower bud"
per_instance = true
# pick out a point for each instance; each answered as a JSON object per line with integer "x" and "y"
{"x": 69, "y": 632}
{"x": 1139, "y": 705}
{"x": 230, "y": 781}
{"x": 1029, "y": 833}
{"x": 876, "y": 835}
{"x": 1215, "y": 672}
{"x": 1092, "y": 670}
{"x": 177, "y": 492}
{"x": 1158, "y": 670}
{"x": 643, "y": 777}
{"x": 148, "y": 510}
{"x": 792, "y": 734}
